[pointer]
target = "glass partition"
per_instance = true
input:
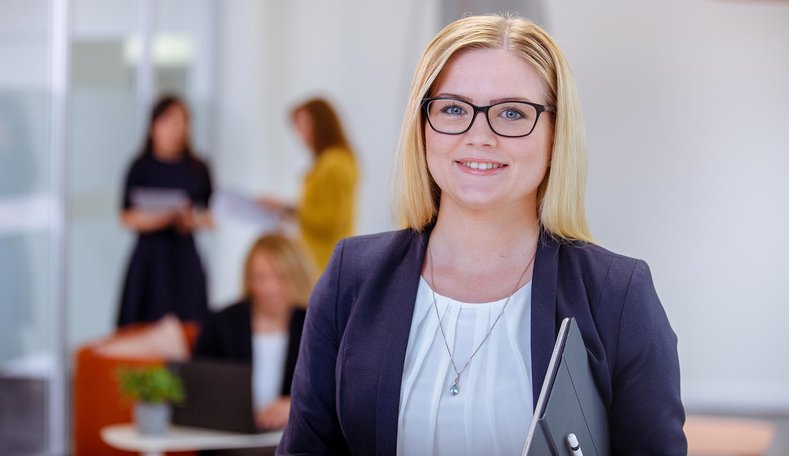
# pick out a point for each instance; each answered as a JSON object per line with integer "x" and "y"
{"x": 26, "y": 199}
{"x": 74, "y": 92}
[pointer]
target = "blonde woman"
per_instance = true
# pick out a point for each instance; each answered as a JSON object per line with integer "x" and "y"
{"x": 265, "y": 327}
{"x": 436, "y": 339}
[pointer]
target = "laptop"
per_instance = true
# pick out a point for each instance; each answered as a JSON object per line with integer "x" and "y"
{"x": 570, "y": 418}
{"x": 217, "y": 395}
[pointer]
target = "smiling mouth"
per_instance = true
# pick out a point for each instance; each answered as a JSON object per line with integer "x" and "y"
{"x": 483, "y": 166}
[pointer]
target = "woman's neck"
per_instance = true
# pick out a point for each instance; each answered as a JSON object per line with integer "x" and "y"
{"x": 477, "y": 256}
{"x": 268, "y": 320}
{"x": 485, "y": 235}
{"x": 167, "y": 156}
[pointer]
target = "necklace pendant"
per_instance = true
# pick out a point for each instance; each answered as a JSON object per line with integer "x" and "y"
{"x": 455, "y": 388}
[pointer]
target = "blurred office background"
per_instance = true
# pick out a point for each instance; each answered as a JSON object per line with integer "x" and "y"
{"x": 686, "y": 105}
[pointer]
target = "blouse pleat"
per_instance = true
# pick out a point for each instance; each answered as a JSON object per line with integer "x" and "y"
{"x": 492, "y": 412}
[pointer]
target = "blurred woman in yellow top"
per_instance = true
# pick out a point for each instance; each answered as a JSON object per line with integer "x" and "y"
{"x": 326, "y": 212}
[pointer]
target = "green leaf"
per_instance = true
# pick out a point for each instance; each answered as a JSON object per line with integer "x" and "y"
{"x": 150, "y": 384}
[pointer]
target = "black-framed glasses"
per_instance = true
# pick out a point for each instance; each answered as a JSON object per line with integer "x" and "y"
{"x": 510, "y": 119}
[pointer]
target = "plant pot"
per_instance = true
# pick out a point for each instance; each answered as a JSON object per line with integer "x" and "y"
{"x": 152, "y": 419}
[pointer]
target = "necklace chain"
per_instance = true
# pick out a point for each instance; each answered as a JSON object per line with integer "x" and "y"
{"x": 455, "y": 388}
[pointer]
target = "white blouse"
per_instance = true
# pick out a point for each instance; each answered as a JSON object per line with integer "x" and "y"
{"x": 268, "y": 365}
{"x": 493, "y": 410}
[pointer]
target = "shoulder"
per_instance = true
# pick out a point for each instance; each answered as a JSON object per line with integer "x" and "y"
{"x": 373, "y": 263}
{"x": 139, "y": 163}
{"x": 297, "y": 318}
{"x": 337, "y": 153}
{"x": 371, "y": 257}
{"x": 619, "y": 288}
{"x": 198, "y": 165}
{"x": 298, "y": 314}
{"x": 364, "y": 269}
{"x": 336, "y": 158}
{"x": 232, "y": 313}
{"x": 592, "y": 253}
{"x": 595, "y": 260}
{"x": 139, "y": 170}
{"x": 379, "y": 246}
{"x": 602, "y": 281}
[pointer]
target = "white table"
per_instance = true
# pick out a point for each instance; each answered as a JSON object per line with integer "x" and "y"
{"x": 182, "y": 438}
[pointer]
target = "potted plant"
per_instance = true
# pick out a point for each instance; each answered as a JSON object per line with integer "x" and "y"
{"x": 153, "y": 389}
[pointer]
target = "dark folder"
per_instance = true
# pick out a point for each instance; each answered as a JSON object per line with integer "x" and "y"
{"x": 569, "y": 403}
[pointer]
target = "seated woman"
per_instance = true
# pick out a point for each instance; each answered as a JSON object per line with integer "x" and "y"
{"x": 265, "y": 327}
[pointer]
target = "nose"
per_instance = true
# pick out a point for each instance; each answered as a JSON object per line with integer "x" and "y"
{"x": 480, "y": 133}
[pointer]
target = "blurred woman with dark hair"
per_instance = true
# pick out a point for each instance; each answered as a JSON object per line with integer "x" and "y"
{"x": 165, "y": 200}
{"x": 327, "y": 209}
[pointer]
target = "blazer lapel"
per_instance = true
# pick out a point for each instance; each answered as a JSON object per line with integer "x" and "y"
{"x": 399, "y": 309}
{"x": 244, "y": 332}
{"x": 543, "y": 309}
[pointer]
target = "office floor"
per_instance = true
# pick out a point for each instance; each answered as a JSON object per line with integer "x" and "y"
{"x": 23, "y": 420}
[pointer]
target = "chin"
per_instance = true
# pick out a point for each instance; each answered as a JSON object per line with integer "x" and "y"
{"x": 487, "y": 200}
{"x": 480, "y": 202}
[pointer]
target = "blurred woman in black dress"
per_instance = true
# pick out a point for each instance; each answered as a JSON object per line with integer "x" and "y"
{"x": 165, "y": 200}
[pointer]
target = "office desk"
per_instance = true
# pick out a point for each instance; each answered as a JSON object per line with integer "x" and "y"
{"x": 182, "y": 438}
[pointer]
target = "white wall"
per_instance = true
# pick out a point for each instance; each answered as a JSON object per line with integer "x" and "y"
{"x": 687, "y": 104}
{"x": 274, "y": 54}
{"x": 687, "y": 112}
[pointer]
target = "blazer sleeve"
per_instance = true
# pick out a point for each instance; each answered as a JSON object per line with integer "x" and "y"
{"x": 313, "y": 426}
{"x": 646, "y": 412}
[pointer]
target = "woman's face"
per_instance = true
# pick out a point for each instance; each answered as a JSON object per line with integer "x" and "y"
{"x": 170, "y": 132}
{"x": 302, "y": 122}
{"x": 518, "y": 165}
{"x": 268, "y": 288}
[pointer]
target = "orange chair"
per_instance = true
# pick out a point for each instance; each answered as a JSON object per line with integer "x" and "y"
{"x": 97, "y": 401}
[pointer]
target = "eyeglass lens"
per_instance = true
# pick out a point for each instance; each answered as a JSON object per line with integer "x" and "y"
{"x": 511, "y": 118}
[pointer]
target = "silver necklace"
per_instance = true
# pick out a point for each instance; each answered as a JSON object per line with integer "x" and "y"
{"x": 455, "y": 388}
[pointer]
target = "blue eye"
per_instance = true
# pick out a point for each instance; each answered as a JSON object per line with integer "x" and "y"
{"x": 512, "y": 114}
{"x": 453, "y": 110}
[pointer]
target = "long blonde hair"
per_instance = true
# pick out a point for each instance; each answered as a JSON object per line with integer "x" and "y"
{"x": 291, "y": 261}
{"x": 561, "y": 194}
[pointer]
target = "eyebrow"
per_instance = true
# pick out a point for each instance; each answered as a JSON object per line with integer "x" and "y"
{"x": 468, "y": 100}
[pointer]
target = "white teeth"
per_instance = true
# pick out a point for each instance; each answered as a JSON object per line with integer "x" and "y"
{"x": 482, "y": 166}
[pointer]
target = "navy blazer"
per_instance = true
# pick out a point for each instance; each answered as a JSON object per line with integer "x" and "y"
{"x": 227, "y": 335}
{"x": 346, "y": 389}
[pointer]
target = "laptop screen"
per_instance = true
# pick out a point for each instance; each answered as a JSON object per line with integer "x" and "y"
{"x": 217, "y": 395}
